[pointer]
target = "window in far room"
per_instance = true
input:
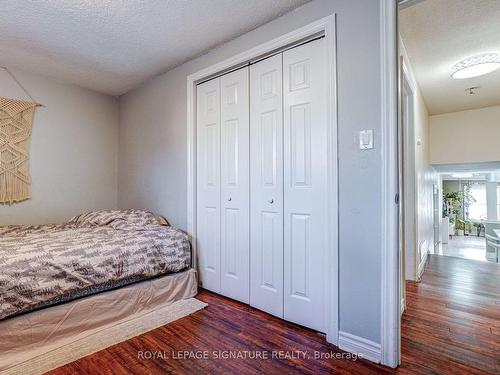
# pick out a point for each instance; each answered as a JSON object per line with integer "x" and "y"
{"x": 478, "y": 208}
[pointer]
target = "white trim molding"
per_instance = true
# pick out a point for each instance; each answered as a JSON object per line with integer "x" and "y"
{"x": 421, "y": 266}
{"x": 325, "y": 26}
{"x": 364, "y": 348}
{"x": 390, "y": 295}
{"x": 409, "y": 197}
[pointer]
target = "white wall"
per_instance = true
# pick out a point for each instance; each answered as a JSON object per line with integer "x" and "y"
{"x": 425, "y": 175}
{"x": 153, "y": 152}
{"x": 74, "y": 150}
{"x": 465, "y": 137}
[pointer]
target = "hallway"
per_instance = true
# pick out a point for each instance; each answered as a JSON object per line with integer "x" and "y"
{"x": 452, "y": 320}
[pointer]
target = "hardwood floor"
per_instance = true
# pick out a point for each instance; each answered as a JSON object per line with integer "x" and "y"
{"x": 451, "y": 326}
{"x": 452, "y": 320}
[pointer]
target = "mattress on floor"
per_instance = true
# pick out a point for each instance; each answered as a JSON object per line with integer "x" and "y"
{"x": 34, "y": 334}
{"x": 41, "y": 266}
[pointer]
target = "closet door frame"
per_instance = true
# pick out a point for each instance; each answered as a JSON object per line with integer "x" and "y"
{"x": 322, "y": 27}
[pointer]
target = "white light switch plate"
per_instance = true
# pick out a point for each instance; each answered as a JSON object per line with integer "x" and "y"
{"x": 366, "y": 139}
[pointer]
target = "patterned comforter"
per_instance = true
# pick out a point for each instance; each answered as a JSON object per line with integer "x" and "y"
{"x": 45, "y": 265}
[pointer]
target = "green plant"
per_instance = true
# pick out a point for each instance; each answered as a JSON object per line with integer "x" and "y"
{"x": 468, "y": 199}
{"x": 453, "y": 202}
{"x": 457, "y": 206}
{"x": 465, "y": 225}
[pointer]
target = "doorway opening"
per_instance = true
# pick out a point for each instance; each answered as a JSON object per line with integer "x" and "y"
{"x": 449, "y": 170}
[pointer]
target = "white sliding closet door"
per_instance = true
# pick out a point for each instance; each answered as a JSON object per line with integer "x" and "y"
{"x": 235, "y": 185}
{"x": 305, "y": 182}
{"x": 266, "y": 176}
{"x": 208, "y": 183}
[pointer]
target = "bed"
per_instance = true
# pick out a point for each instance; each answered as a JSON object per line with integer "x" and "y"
{"x": 59, "y": 282}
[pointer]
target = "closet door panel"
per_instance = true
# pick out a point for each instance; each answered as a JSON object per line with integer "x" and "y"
{"x": 305, "y": 182}
{"x": 208, "y": 183}
{"x": 266, "y": 150}
{"x": 235, "y": 190}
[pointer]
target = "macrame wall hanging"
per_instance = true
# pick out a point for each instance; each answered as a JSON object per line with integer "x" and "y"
{"x": 16, "y": 121}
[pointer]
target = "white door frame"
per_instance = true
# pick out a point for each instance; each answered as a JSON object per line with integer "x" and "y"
{"x": 324, "y": 26}
{"x": 390, "y": 304}
{"x": 411, "y": 260}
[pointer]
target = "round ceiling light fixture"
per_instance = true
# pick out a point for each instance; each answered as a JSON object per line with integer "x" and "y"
{"x": 476, "y": 66}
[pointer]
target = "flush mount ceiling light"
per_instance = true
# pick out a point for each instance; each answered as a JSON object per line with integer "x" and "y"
{"x": 476, "y": 66}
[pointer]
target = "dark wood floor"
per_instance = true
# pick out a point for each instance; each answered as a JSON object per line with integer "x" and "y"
{"x": 452, "y": 320}
{"x": 451, "y": 326}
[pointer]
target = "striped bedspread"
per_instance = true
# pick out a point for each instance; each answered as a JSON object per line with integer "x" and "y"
{"x": 48, "y": 264}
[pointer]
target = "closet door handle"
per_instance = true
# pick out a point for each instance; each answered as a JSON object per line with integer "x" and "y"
{"x": 271, "y": 201}
{"x": 229, "y": 199}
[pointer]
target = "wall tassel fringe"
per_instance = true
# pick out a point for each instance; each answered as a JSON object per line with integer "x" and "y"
{"x": 16, "y": 121}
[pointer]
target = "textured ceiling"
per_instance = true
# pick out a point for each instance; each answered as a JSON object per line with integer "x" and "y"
{"x": 113, "y": 45}
{"x": 439, "y": 33}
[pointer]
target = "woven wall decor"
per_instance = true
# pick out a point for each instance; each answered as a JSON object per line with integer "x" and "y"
{"x": 16, "y": 120}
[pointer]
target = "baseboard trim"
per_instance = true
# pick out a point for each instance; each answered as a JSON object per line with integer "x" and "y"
{"x": 421, "y": 266}
{"x": 365, "y": 348}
